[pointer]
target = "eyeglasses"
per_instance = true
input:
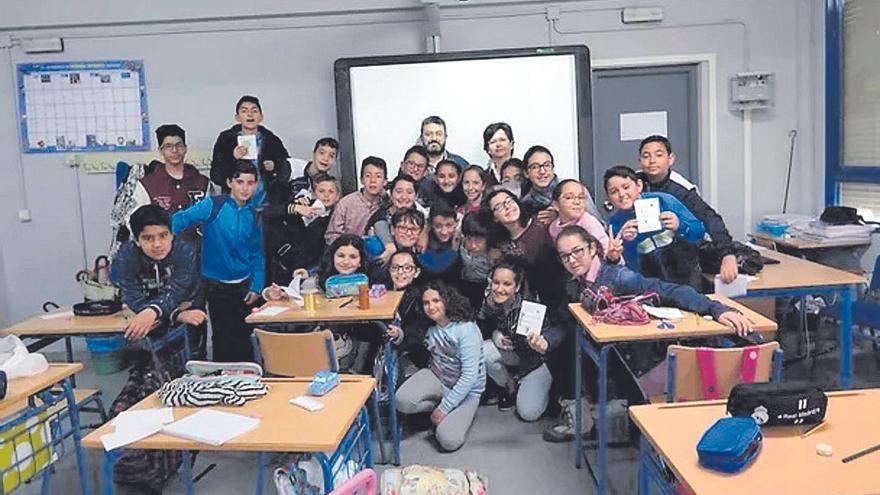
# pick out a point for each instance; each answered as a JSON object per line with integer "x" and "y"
{"x": 175, "y": 146}
{"x": 408, "y": 229}
{"x": 576, "y": 253}
{"x": 579, "y": 198}
{"x": 503, "y": 205}
{"x": 415, "y": 165}
{"x": 543, "y": 166}
{"x": 402, "y": 268}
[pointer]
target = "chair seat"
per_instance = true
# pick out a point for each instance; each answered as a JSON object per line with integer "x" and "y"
{"x": 865, "y": 313}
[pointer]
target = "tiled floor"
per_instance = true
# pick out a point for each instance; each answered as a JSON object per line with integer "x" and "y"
{"x": 510, "y": 453}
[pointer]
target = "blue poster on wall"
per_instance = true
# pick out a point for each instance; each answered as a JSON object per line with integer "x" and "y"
{"x": 83, "y": 106}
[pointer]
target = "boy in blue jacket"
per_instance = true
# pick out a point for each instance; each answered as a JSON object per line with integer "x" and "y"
{"x": 232, "y": 260}
{"x": 670, "y": 253}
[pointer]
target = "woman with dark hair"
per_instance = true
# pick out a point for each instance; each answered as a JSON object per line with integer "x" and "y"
{"x": 516, "y": 233}
{"x": 498, "y": 144}
{"x": 450, "y": 387}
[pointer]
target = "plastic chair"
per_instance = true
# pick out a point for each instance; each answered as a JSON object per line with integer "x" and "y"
{"x": 363, "y": 483}
{"x": 684, "y": 381}
{"x": 295, "y": 354}
{"x": 122, "y": 169}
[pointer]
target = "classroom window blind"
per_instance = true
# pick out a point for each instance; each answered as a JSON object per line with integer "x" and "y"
{"x": 863, "y": 196}
{"x": 861, "y": 83}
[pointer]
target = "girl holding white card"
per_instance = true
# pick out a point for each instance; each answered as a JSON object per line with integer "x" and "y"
{"x": 515, "y": 356}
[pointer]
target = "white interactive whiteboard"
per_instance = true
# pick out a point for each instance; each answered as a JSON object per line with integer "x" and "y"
{"x": 543, "y": 93}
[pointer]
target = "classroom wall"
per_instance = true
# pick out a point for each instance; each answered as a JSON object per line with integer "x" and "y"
{"x": 199, "y": 61}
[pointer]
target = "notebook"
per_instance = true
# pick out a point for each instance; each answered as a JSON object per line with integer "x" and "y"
{"x": 211, "y": 426}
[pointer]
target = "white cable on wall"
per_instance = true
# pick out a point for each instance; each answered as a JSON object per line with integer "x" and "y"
{"x": 747, "y": 171}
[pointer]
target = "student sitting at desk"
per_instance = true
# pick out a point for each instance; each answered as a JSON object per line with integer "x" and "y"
{"x": 450, "y": 387}
{"x": 668, "y": 253}
{"x": 581, "y": 255}
{"x": 160, "y": 284}
{"x": 656, "y": 159}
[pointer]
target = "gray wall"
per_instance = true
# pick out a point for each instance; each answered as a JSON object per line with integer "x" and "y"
{"x": 198, "y": 62}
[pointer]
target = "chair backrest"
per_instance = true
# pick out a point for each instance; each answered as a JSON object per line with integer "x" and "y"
{"x": 296, "y": 354}
{"x": 686, "y": 383}
{"x": 363, "y": 483}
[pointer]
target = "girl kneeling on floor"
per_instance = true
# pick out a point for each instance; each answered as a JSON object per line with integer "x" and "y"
{"x": 450, "y": 387}
{"x": 514, "y": 361}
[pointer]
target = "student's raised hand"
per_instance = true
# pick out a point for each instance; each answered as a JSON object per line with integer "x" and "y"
{"x": 251, "y": 298}
{"x": 394, "y": 333}
{"x": 538, "y": 342}
{"x": 729, "y": 270}
{"x": 139, "y": 326}
{"x": 629, "y": 230}
{"x": 301, "y": 273}
{"x": 276, "y": 293}
{"x": 269, "y": 165}
{"x": 192, "y": 317}
{"x": 615, "y": 247}
{"x": 437, "y": 416}
{"x": 304, "y": 211}
{"x": 239, "y": 152}
{"x": 547, "y": 216}
{"x": 302, "y": 201}
{"x": 501, "y": 341}
{"x": 669, "y": 220}
{"x": 738, "y": 321}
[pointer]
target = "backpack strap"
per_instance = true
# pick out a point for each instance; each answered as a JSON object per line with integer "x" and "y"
{"x": 706, "y": 364}
{"x": 749, "y": 367}
{"x": 217, "y": 203}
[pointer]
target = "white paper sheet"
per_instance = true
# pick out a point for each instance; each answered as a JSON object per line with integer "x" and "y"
{"x": 638, "y": 126}
{"x": 211, "y": 426}
{"x": 59, "y": 314}
{"x": 648, "y": 214}
{"x": 294, "y": 292}
{"x": 737, "y": 288}
{"x": 272, "y": 310}
{"x": 129, "y": 434}
{"x": 531, "y": 318}
{"x": 249, "y": 140}
{"x": 663, "y": 313}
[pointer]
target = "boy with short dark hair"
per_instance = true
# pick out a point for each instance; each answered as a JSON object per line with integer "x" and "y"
{"x": 232, "y": 259}
{"x": 322, "y": 162}
{"x": 353, "y": 212}
{"x": 656, "y": 159}
{"x": 271, "y": 161}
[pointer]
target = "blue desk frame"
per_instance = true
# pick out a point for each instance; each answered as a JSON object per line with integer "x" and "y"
{"x": 358, "y": 432}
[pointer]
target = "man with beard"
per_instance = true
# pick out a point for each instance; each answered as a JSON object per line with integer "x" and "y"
{"x": 433, "y": 138}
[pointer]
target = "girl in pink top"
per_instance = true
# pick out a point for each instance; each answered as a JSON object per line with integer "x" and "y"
{"x": 570, "y": 199}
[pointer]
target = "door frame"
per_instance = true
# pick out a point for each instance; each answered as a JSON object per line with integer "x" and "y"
{"x": 707, "y": 108}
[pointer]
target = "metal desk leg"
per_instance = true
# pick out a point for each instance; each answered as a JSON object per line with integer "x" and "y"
{"x": 603, "y": 416}
{"x": 77, "y": 436}
{"x": 377, "y": 416}
{"x": 846, "y": 337}
{"x": 262, "y": 462}
{"x": 186, "y": 472}
{"x": 578, "y": 393}
{"x": 391, "y": 377}
{"x": 643, "y": 469}
{"x": 107, "y": 471}
{"x": 68, "y": 345}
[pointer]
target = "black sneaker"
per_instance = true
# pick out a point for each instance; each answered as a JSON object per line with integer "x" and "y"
{"x": 491, "y": 394}
{"x": 506, "y": 401}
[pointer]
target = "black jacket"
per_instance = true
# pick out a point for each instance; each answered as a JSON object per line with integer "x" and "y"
{"x": 686, "y": 192}
{"x": 223, "y": 162}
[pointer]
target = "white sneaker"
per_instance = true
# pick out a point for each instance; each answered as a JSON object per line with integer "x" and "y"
{"x": 564, "y": 430}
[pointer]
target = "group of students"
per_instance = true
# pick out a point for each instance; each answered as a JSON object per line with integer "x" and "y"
{"x": 466, "y": 244}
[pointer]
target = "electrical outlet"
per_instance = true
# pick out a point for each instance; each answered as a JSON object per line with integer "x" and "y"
{"x": 24, "y": 215}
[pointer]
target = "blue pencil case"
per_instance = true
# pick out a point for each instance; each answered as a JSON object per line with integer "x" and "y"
{"x": 730, "y": 444}
{"x": 344, "y": 285}
{"x": 323, "y": 382}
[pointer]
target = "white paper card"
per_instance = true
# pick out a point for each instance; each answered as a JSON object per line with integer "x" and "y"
{"x": 663, "y": 313}
{"x": 272, "y": 310}
{"x": 130, "y": 434}
{"x": 737, "y": 288}
{"x": 59, "y": 314}
{"x": 648, "y": 214}
{"x": 249, "y": 141}
{"x": 293, "y": 290}
{"x": 211, "y": 426}
{"x": 638, "y": 126}
{"x": 531, "y": 318}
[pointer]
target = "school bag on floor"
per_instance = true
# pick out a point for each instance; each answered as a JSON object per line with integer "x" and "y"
{"x": 429, "y": 480}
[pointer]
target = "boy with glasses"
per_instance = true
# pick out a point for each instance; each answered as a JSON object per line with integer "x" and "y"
{"x": 539, "y": 170}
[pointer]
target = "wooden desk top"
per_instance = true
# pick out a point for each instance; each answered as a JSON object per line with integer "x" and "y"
{"x": 20, "y": 389}
{"x": 328, "y": 310}
{"x": 795, "y": 272}
{"x": 806, "y": 244}
{"x": 690, "y": 326}
{"x": 283, "y": 427}
{"x": 72, "y": 325}
{"x": 787, "y": 463}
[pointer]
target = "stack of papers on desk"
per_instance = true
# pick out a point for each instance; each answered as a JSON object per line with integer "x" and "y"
{"x": 818, "y": 230}
{"x": 132, "y": 426}
{"x": 211, "y": 426}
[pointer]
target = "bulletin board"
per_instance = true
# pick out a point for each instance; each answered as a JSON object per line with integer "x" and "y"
{"x": 83, "y": 106}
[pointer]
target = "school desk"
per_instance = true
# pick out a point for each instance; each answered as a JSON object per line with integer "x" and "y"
{"x": 801, "y": 244}
{"x": 335, "y": 435}
{"x": 597, "y": 340}
{"x": 37, "y": 424}
{"x": 795, "y": 277}
{"x": 787, "y": 463}
{"x": 345, "y": 310}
